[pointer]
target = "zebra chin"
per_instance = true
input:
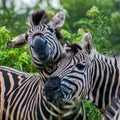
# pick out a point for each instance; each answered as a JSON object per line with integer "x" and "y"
{"x": 44, "y": 59}
{"x": 53, "y": 97}
{"x": 39, "y": 60}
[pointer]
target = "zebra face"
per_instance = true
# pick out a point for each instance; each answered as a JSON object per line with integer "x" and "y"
{"x": 43, "y": 44}
{"x": 39, "y": 49}
{"x": 42, "y": 38}
{"x": 71, "y": 80}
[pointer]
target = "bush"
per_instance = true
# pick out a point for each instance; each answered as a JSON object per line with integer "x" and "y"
{"x": 15, "y": 58}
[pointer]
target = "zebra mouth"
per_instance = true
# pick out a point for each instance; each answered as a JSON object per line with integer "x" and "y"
{"x": 44, "y": 58}
{"x": 53, "y": 96}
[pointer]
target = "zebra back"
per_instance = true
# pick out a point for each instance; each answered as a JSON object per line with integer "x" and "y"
{"x": 24, "y": 99}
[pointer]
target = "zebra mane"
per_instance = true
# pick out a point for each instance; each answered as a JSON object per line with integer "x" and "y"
{"x": 117, "y": 57}
{"x": 95, "y": 53}
{"x": 58, "y": 34}
{"x": 39, "y": 17}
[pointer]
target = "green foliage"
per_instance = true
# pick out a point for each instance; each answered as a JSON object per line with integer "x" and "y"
{"x": 76, "y": 13}
{"x": 96, "y": 23}
{"x": 16, "y": 58}
{"x": 115, "y": 37}
{"x": 76, "y": 38}
{"x": 4, "y": 36}
{"x": 14, "y": 20}
{"x": 93, "y": 113}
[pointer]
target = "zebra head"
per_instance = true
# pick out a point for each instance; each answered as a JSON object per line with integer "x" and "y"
{"x": 42, "y": 38}
{"x": 70, "y": 80}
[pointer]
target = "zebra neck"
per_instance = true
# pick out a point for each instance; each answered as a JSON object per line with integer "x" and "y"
{"x": 105, "y": 84}
{"x": 46, "y": 72}
{"x": 49, "y": 69}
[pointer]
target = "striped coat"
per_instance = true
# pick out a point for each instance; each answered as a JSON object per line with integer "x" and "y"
{"x": 85, "y": 74}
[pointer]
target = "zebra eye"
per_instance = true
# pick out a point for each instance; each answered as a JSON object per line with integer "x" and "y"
{"x": 80, "y": 66}
{"x": 51, "y": 29}
{"x": 26, "y": 37}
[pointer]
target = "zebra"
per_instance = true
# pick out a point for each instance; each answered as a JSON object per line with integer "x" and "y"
{"x": 21, "y": 98}
{"x": 43, "y": 41}
{"x": 21, "y": 95}
{"x": 85, "y": 73}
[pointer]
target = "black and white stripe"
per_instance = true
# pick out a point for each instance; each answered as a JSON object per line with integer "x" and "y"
{"x": 22, "y": 99}
{"x": 86, "y": 73}
{"x": 112, "y": 111}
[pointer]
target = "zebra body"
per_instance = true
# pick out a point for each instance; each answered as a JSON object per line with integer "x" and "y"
{"x": 105, "y": 84}
{"x": 10, "y": 79}
{"x": 23, "y": 100}
{"x": 86, "y": 74}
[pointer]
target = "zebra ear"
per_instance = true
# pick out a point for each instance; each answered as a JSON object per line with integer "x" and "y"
{"x": 37, "y": 18}
{"x": 18, "y": 42}
{"x": 87, "y": 42}
{"x": 71, "y": 48}
{"x": 67, "y": 49}
{"x": 58, "y": 20}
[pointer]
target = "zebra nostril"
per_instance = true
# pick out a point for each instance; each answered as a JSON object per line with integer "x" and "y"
{"x": 45, "y": 42}
{"x": 56, "y": 88}
{"x": 32, "y": 46}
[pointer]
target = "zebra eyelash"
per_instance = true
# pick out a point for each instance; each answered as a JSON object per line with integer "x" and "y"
{"x": 26, "y": 37}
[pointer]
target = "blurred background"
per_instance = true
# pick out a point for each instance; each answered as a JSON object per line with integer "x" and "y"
{"x": 14, "y": 16}
{"x": 100, "y": 17}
